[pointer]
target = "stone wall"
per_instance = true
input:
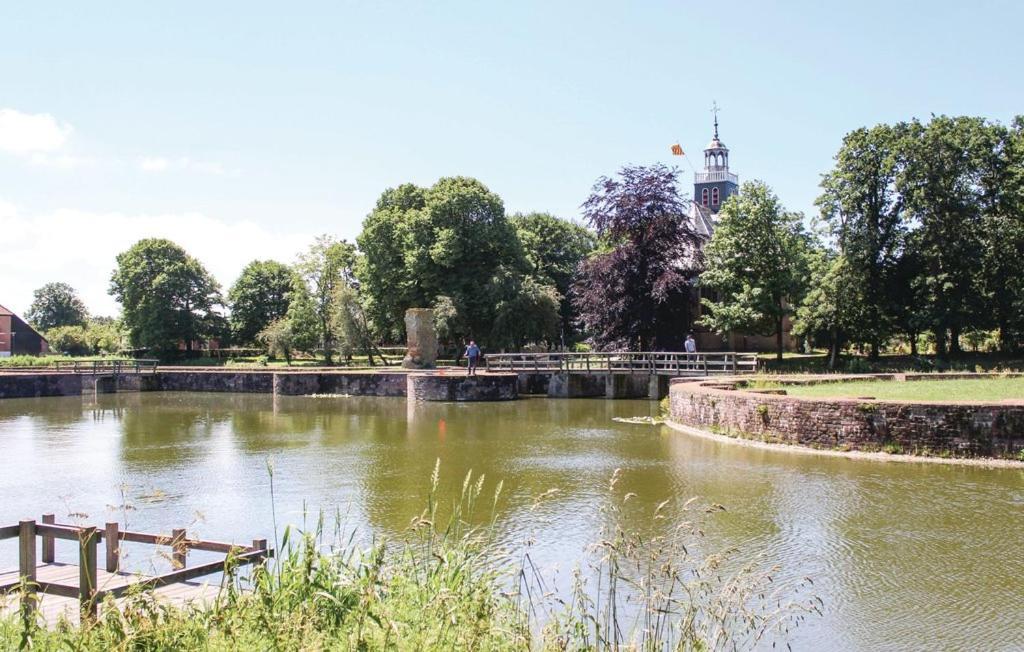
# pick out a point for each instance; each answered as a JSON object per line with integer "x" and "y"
{"x": 462, "y": 388}
{"x": 27, "y": 385}
{"x": 247, "y": 382}
{"x": 353, "y": 384}
{"x": 958, "y": 429}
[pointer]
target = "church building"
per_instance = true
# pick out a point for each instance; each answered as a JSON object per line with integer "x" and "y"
{"x": 711, "y": 187}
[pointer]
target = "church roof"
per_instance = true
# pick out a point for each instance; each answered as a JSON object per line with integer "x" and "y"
{"x": 703, "y": 222}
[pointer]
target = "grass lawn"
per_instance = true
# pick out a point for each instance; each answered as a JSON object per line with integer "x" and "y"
{"x": 988, "y": 389}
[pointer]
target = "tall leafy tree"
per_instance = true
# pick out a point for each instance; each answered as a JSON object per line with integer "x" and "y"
{"x": 167, "y": 296}
{"x": 56, "y": 304}
{"x": 554, "y": 249}
{"x": 258, "y": 297}
{"x": 450, "y": 247}
{"x": 864, "y": 210}
{"x": 756, "y": 263}
{"x": 635, "y": 292}
{"x": 326, "y": 268}
{"x": 1002, "y": 233}
{"x": 943, "y": 190}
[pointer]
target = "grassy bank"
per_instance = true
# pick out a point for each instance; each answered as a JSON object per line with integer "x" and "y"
{"x": 817, "y": 363}
{"x": 982, "y": 389}
{"x": 450, "y": 585}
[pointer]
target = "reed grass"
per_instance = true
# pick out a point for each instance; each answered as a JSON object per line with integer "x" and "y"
{"x": 449, "y": 584}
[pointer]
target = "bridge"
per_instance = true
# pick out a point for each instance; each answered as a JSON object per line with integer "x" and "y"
{"x": 107, "y": 367}
{"x": 652, "y": 363}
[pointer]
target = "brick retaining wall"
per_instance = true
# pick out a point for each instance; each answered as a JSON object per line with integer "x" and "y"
{"x": 959, "y": 429}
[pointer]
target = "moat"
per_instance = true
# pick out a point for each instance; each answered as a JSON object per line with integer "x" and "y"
{"x": 903, "y": 555}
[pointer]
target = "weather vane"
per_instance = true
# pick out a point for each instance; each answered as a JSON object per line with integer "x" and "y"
{"x": 715, "y": 110}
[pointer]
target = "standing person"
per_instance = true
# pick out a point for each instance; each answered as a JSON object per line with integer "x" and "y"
{"x": 691, "y": 344}
{"x": 473, "y": 355}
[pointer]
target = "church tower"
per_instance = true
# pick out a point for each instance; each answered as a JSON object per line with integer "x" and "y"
{"x": 715, "y": 183}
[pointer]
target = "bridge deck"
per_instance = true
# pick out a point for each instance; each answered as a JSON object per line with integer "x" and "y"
{"x": 53, "y": 607}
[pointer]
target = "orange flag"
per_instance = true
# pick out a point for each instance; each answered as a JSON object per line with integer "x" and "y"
{"x": 677, "y": 150}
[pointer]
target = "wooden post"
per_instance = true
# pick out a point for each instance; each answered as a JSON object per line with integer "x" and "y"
{"x": 87, "y": 572}
{"x": 180, "y": 549}
{"x": 27, "y": 565}
{"x": 48, "y": 551}
{"x": 113, "y": 540}
{"x": 259, "y": 544}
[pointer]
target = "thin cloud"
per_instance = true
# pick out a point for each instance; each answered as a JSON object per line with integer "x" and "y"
{"x": 31, "y": 133}
{"x": 183, "y": 163}
{"x": 80, "y": 248}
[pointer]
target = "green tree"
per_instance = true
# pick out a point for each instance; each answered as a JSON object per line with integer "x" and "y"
{"x": 451, "y": 240}
{"x": 279, "y": 338}
{"x": 944, "y": 194}
{"x": 69, "y": 340}
{"x": 756, "y": 264}
{"x": 303, "y": 321}
{"x": 258, "y": 297}
{"x": 864, "y": 210}
{"x": 1002, "y": 233}
{"x": 351, "y": 328}
{"x": 56, "y": 304}
{"x": 326, "y": 268}
{"x": 167, "y": 296}
{"x": 554, "y": 249}
{"x": 530, "y": 313}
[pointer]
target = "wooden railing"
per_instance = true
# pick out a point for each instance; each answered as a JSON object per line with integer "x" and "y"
{"x": 106, "y": 367}
{"x": 660, "y": 363}
{"x": 88, "y": 593}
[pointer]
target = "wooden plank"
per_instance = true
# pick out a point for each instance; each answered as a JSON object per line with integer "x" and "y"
{"x": 87, "y": 572}
{"x": 9, "y": 531}
{"x": 59, "y": 531}
{"x": 191, "y": 573}
{"x": 48, "y": 549}
{"x": 113, "y": 547}
{"x": 179, "y": 556}
{"x": 27, "y": 566}
{"x": 63, "y": 590}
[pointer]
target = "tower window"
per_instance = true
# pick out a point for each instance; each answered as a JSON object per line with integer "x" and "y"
{"x": 704, "y": 197}
{"x": 714, "y": 196}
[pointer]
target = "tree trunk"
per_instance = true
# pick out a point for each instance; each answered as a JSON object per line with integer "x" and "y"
{"x": 778, "y": 339}
{"x": 912, "y": 337}
{"x": 954, "y": 341}
{"x": 940, "y": 343}
{"x": 833, "y": 350}
{"x": 874, "y": 350}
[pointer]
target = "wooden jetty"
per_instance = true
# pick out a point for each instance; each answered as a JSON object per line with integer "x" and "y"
{"x": 50, "y": 589}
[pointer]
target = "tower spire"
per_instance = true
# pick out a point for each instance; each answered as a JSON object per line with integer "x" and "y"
{"x": 715, "y": 110}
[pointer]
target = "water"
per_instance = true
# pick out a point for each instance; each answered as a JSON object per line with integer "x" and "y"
{"x": 905, "y": 556}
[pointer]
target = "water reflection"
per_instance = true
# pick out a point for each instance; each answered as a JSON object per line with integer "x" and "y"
{"x": 904, "y": 555}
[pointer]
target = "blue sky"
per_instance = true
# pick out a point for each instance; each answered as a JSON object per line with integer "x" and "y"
{"x": 242, "y": 130}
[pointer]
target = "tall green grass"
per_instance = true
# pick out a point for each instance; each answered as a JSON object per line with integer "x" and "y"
{"x": 450, "y": 585}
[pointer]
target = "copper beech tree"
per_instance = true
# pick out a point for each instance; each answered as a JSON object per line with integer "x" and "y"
{"x": 635, "y": 291}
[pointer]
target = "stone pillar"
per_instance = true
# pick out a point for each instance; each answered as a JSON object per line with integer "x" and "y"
{"x": 422, "y": 339}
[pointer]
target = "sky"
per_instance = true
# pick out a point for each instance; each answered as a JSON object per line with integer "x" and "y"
{"x": 241, "y": 130}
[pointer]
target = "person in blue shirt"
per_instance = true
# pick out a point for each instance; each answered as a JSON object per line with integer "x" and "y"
{"x": 473, "y": 355}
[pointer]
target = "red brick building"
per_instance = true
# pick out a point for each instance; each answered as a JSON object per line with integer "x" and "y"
{"x": 18, "y": 338}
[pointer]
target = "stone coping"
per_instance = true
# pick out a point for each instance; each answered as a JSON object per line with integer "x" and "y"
{"x": 737, "y": 384}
